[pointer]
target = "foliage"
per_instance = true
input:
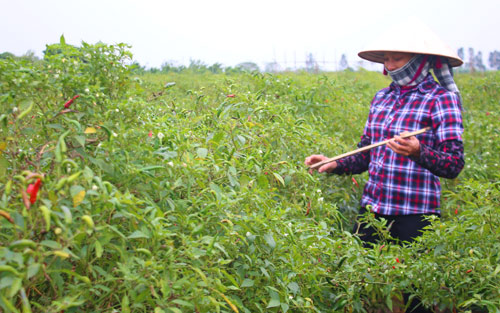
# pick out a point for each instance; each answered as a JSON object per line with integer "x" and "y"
{"x": 494, "y": 60}
{"x": 187, "y": 193}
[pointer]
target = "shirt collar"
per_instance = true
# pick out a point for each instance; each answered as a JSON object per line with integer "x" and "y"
{"x": 426, "y": 86}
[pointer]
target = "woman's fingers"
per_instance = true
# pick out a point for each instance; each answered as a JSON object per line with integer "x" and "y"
{"x": 328, "y": 167}
{"x": 397, "y": 145}
{"x": 405, "y": 146}
{"x": 313, "y": 159}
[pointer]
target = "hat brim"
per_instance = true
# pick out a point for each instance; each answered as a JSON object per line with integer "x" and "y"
{"x": 377, "y": 56}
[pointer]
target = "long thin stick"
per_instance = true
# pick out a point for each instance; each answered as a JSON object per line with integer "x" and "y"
{"x": 405, "y": 135}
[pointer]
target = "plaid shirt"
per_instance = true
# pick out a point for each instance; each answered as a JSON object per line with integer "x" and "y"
{"x": 400, "y": 185}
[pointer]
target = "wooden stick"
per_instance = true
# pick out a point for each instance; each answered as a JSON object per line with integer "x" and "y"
{"x": 405, "y": 135}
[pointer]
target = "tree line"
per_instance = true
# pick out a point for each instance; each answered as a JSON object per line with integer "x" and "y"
{"x": 473, "y": 62}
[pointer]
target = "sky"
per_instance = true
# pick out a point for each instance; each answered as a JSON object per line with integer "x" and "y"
{"x": 233, "y": 31}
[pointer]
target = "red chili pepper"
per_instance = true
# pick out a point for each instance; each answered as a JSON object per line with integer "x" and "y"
{"x": 488, "y": 113}
{"x": 393, "y": 267}
{"x": 231, "y": 95}
{"x": 150, "y": 134}
{"x": 70, "y": 101}
{"x": 355, "y": 182}
{"x": 456, "y": 211}
{"x": 397, "y": 260}
{"x": 32, "y": 190}
{"x": 468, "y": 271}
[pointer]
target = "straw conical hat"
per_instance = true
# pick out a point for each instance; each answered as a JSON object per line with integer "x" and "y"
{"x": 412, "y": 36}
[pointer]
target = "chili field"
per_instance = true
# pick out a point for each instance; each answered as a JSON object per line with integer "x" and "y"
{"x": 187, "y": 192}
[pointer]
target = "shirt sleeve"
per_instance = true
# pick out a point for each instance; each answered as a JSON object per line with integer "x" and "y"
{"x": 447, "y": 160}
{"x": 446, "y": 118}
{"x": 355, "y": 164}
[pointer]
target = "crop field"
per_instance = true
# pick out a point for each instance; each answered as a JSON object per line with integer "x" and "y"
{"x": 187, "y": 192}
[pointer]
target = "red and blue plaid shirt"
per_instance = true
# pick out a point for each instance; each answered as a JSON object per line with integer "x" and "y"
{"x": 400, "y": 185}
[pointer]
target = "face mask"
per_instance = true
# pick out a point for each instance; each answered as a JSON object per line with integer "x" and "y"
{"x": 412, "y": 73}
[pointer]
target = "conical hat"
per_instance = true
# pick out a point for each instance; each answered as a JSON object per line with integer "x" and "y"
{"x": 412, "y": 36}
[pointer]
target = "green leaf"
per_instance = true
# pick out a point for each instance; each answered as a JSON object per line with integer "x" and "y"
{"x": 103, "y": 165}
{"x": 273, "y": 303}
{"x": 285, "y": 307}
{"x": 270, "y": 240}
{"x": 8, "y": 304}
{"x": 497, "y": 270}
{"x": 217, "y": 137}
{"x": 294, "y": 287}
{"x": 113, "y": 228}
{"x": 75, "y": 190}
{"x": 33, "y": 270}
{"x": 62, "y": 40}
{"x": 262, "y": 181}
{"x": 388, "y": 301}
{"x": 82, "y": 278}
{"x": 232, "y": 180}
{"x": 202, "y": 275}
{"x": 217, "y": 190}
{"x": 439, "y": 249}
{"x": 68, "y": 217}
{"x": 98, "y": 249}
{"x": 241, "y": 139}
{"x": 279, "y": 178}
{"x": 80, "y": 140}
{"x": 51, "y": 244}
{"x": 467, "y": 303}
{"x": 16, "y": 285}
{"x": 221, "y": 248}
{"x": 56, "y": 126}
{"x": 202, "y": 152}
{"x": 125, "y": 305}
{"x": 6, "y": 281}
{"x": 264, "y": 271}
{"x": 4, "y": 164}
{"x": 148, "y": 168}
{"x": 228, "y": 276}
{"x": 138, "y": 234}
{"x": 183, "y": 303}
{"x": 247, "y": 283}
{"x": 88, "y": 174}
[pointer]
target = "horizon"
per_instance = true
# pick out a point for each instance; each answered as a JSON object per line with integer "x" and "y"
{"x": 232, "y": 32}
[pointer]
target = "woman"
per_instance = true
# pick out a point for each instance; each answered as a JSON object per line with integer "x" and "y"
{"x": 403, "y": 185}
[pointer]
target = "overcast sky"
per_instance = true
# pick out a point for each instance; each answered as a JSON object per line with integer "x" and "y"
{"x": 233, "y": 31}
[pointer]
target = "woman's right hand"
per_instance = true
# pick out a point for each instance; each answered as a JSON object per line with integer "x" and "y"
{"x": 315, "y": 158}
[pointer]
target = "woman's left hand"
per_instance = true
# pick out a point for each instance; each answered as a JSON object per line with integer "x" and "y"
{"x": 405, "y": 146}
